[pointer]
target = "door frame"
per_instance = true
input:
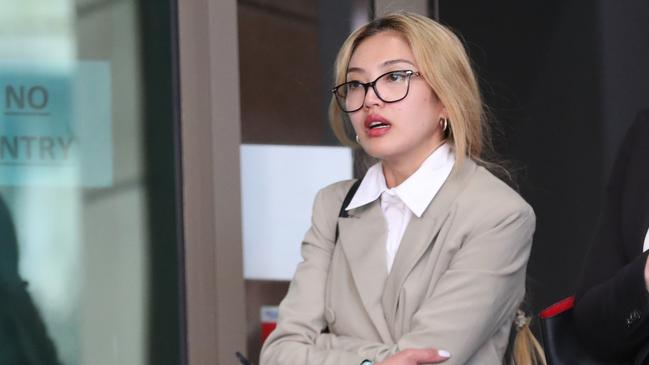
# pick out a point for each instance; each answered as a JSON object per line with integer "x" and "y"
{"x": 210, "y": 140}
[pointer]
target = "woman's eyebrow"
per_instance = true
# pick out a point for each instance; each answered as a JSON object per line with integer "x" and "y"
{"x": 355, "y": 69}
{"x": 398, "y": 60}
{"x": 384, "y": 64}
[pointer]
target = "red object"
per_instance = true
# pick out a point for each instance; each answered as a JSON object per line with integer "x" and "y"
{"x": 268, "y": 316}
{"x": 266, "y": 329}
{"x": 558, "y": 307}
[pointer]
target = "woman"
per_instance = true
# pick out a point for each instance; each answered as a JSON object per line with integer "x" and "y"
{"x": 612, "y": 303}
{"x": 429, "y": 266}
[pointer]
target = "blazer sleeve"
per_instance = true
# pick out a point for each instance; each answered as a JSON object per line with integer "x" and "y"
{"x": 477, "y": 294}
{"x": 612, "y": 302}
{"x": 301, "y": 313}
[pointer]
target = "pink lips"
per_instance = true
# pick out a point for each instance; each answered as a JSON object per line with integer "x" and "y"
{"x": 376, "y": 125}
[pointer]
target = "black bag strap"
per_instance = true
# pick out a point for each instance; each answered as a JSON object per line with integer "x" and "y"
{"x": 348, "y": 198}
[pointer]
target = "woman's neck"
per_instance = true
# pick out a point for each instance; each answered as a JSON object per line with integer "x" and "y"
{"x": 397, "y": 171}
{"x": 395, "y": 174}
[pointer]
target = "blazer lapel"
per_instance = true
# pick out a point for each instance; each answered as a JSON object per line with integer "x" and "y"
{"x": 362, "y": 238}
{"x": 420, "y": 234}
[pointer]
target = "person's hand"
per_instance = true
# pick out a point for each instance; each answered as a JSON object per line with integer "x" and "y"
{"x": 416, "y": 357}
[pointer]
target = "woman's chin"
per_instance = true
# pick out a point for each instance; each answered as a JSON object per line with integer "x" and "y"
{"x": 377, "y": 153}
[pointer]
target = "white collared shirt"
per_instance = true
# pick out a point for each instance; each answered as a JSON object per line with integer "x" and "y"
{"x": 412, "y": 196}
{"x": 645, "y": 247}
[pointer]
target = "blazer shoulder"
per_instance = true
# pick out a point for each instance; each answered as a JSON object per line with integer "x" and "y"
{"x": 331, "y": 196}
{"x": 491, "y": 196}
{"x": 337, "y": 190}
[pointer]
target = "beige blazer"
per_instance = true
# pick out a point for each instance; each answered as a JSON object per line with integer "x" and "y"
{"x": 456, "y": 282}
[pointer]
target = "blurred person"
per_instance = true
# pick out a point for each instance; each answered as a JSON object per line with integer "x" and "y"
{"x": 429, "y": 264}
{"x": 23, "y": 336}
{"x": 612, "y": 300}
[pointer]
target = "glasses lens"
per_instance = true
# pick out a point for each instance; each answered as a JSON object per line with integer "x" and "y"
{"x": 393, "y": 86}
{"x": 350, "y": 96}
{"x": 390, "y": 87}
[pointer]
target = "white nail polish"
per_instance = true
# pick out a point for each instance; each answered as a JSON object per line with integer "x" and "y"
{"x": 443, "y": 353}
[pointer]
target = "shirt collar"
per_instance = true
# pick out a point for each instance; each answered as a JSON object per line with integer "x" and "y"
{"x": 417, "y": 191}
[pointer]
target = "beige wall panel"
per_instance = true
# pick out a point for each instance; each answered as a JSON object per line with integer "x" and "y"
{"x": 215, "y": 307}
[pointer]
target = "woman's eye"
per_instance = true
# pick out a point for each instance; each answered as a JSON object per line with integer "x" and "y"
{"x": 353, "y": 85}
{"x": 397, "y": 76}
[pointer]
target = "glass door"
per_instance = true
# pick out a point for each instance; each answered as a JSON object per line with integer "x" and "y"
{"x": 89, "y": 237}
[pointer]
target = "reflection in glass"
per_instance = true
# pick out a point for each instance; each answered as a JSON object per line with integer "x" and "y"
{"x": 23, "y": 335}
{"x": 46, "y": 218}
{"x": 73, "y": 176}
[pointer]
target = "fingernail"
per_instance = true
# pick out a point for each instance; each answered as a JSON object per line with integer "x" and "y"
{"x": 443, "y": 353}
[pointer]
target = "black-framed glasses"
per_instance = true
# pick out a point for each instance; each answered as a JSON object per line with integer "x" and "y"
{"x": 390, "y": 87}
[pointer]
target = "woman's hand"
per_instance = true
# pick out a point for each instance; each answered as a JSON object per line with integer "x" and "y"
{"x": 416, "y": 357}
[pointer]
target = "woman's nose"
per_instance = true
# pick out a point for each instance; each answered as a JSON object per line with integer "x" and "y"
{"x": 371, "y": 98}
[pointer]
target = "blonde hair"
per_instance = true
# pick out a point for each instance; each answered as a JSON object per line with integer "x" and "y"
{"x": 526, "y": 349}
{"x": 444, "y": 65}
